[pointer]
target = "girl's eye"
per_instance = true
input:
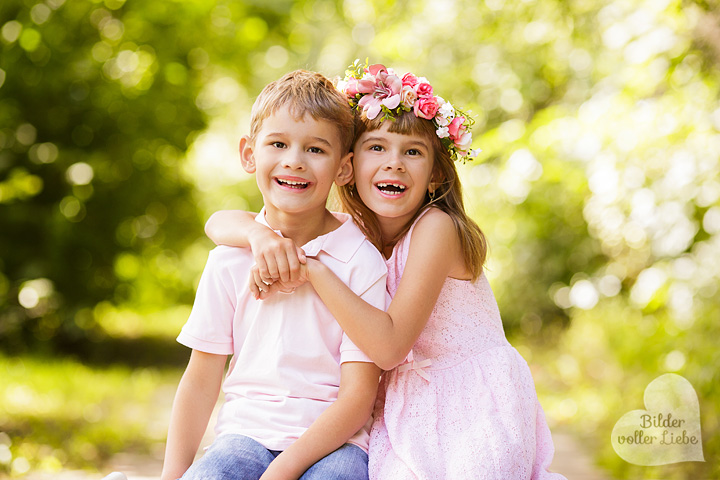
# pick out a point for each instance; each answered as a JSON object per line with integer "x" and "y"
{"x": 376, "y": 148}
{"x": 413, "y": 152}
{"x": 315, "y": 150}
{"x": 278, "y": 144}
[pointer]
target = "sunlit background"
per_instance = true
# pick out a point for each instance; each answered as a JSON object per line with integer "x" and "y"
{"x": 597, "y": 186}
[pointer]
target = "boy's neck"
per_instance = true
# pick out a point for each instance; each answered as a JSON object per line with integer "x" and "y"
{"x": 301, "y": 228}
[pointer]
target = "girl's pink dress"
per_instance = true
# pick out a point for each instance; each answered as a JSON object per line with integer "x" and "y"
{"x": 472, "y": 413}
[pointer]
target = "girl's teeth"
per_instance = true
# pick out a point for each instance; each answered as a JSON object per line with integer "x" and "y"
{"x": 391, "y": 188}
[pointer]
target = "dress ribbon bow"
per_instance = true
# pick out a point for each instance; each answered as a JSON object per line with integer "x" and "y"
{"x": 418, "y": 367}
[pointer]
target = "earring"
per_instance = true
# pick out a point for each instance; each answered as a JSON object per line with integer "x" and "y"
{"x": 431, "y": 194}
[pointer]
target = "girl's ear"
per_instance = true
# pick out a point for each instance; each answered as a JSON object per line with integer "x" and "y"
{"x": 436, "y": 179}
{"x": 345, "y": 171}
{"x": 247, "y": 155}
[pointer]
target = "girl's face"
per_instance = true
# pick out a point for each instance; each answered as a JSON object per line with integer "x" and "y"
{"x": 392, "y": 174}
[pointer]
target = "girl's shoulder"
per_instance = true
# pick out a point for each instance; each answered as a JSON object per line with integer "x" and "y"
{"x": 435, "y": 227}
{"x": 436, "y": 235}
{"x": 436, "y": 222}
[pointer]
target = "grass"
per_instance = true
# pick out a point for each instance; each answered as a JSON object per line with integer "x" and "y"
{"x": 61, "y": 413}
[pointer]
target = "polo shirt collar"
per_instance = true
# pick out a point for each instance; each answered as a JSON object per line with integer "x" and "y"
{"x": 341, "y": 243}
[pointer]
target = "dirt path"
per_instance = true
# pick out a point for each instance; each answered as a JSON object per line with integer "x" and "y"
{"x": 572, "y": 460}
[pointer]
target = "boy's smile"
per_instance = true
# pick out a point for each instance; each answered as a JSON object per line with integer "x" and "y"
{"x": 296, "y": 161}
{"x": 294, "y": 183}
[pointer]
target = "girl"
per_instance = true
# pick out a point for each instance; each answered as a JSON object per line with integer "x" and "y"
{"x": 461, "y": 403}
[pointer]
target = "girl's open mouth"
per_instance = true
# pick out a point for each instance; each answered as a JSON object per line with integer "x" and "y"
{"x": 390, "y": 188}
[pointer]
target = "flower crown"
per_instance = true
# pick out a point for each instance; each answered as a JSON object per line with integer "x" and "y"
{"x": 376, "y": 89}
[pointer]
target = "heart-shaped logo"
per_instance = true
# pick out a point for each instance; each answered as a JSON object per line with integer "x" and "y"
{"x": 668, "y": 431}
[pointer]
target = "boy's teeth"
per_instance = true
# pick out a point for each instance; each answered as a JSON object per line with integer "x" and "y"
{"x": 292, "y": 183}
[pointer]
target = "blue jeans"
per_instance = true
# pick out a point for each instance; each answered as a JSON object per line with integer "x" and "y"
{"x": 242, "y": 458}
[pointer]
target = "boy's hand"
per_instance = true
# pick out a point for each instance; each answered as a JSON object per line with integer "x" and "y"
{"x": 262, "y": 289}
{"x": 277, "y": 258}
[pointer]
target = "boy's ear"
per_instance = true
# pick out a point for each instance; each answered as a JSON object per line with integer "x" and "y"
{"x": 345, "y": 171}
{"x": 247, "y": 155}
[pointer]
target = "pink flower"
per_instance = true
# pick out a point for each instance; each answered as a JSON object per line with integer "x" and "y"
{"x": 366, "y": 86}
{"x": 384, "y": 90}
{"x": 410, "y": 80}
{"x": 423, "y": 89}
{"x": 377, "y": 68}
{"x": 456, "y": 128}
{"x": 463, "y": 143}
{"x": 408, "y": 96}
{"x": 351, "y": 89}
{"x": 426, "y": 107}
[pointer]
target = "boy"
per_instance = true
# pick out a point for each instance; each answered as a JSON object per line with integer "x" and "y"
{"x": 298, "y": 393}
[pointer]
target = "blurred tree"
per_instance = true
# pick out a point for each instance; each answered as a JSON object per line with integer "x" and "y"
{"x": 97, "y": 107}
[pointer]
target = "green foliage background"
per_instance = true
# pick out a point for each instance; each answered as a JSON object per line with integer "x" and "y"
{"x": 597, "y": 186}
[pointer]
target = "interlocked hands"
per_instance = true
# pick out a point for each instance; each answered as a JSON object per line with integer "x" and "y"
{"x": 280, "y": 266}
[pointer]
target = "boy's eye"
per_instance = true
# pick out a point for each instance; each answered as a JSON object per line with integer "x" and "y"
{"x": 315, "y": 150}
{"x": 278, "y": 144}
{"x": 376, "y": 148}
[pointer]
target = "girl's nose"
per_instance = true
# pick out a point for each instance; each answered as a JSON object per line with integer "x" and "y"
{"x": 394, "y": 162}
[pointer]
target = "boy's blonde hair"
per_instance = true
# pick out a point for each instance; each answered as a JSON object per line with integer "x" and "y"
{"x": 448, "y": 194}
{"x": 305, "y": 93}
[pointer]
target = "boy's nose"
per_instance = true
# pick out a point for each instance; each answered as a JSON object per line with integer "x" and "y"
{"x": 295, "y": 159}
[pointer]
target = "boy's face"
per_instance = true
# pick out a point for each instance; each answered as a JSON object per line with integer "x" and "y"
{"x": 296, "y": 161}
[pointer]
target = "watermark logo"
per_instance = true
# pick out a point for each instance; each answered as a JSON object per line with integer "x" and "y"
{"x": 668, "y": 431}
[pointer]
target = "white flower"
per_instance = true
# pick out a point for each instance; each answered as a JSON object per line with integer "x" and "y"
{"x": 408, "y": 96}
{"x": 441, "y": 121}
{"x": 474, "y": 152}
{"x": 341, "y": 85}
{"x": 447, "y": 110}
{"x": 442, "y": 132}
{"x": 423, "y": 80}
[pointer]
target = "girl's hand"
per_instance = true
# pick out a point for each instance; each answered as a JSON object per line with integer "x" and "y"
{"x": 276, "y": 258}
{"x": 277, "y": 471}
{"x": 261, "y": 288}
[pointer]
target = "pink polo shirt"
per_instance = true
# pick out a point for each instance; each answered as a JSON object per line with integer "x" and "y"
{"x": 287, "y": 350}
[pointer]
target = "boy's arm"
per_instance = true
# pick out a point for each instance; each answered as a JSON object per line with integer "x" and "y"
{"x": 194, "y": 401}
{"x": 277, "y": 258}
{"x": 337, "y": 424}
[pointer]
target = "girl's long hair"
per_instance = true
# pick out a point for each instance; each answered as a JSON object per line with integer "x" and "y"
{"x": 448, "y": 194}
